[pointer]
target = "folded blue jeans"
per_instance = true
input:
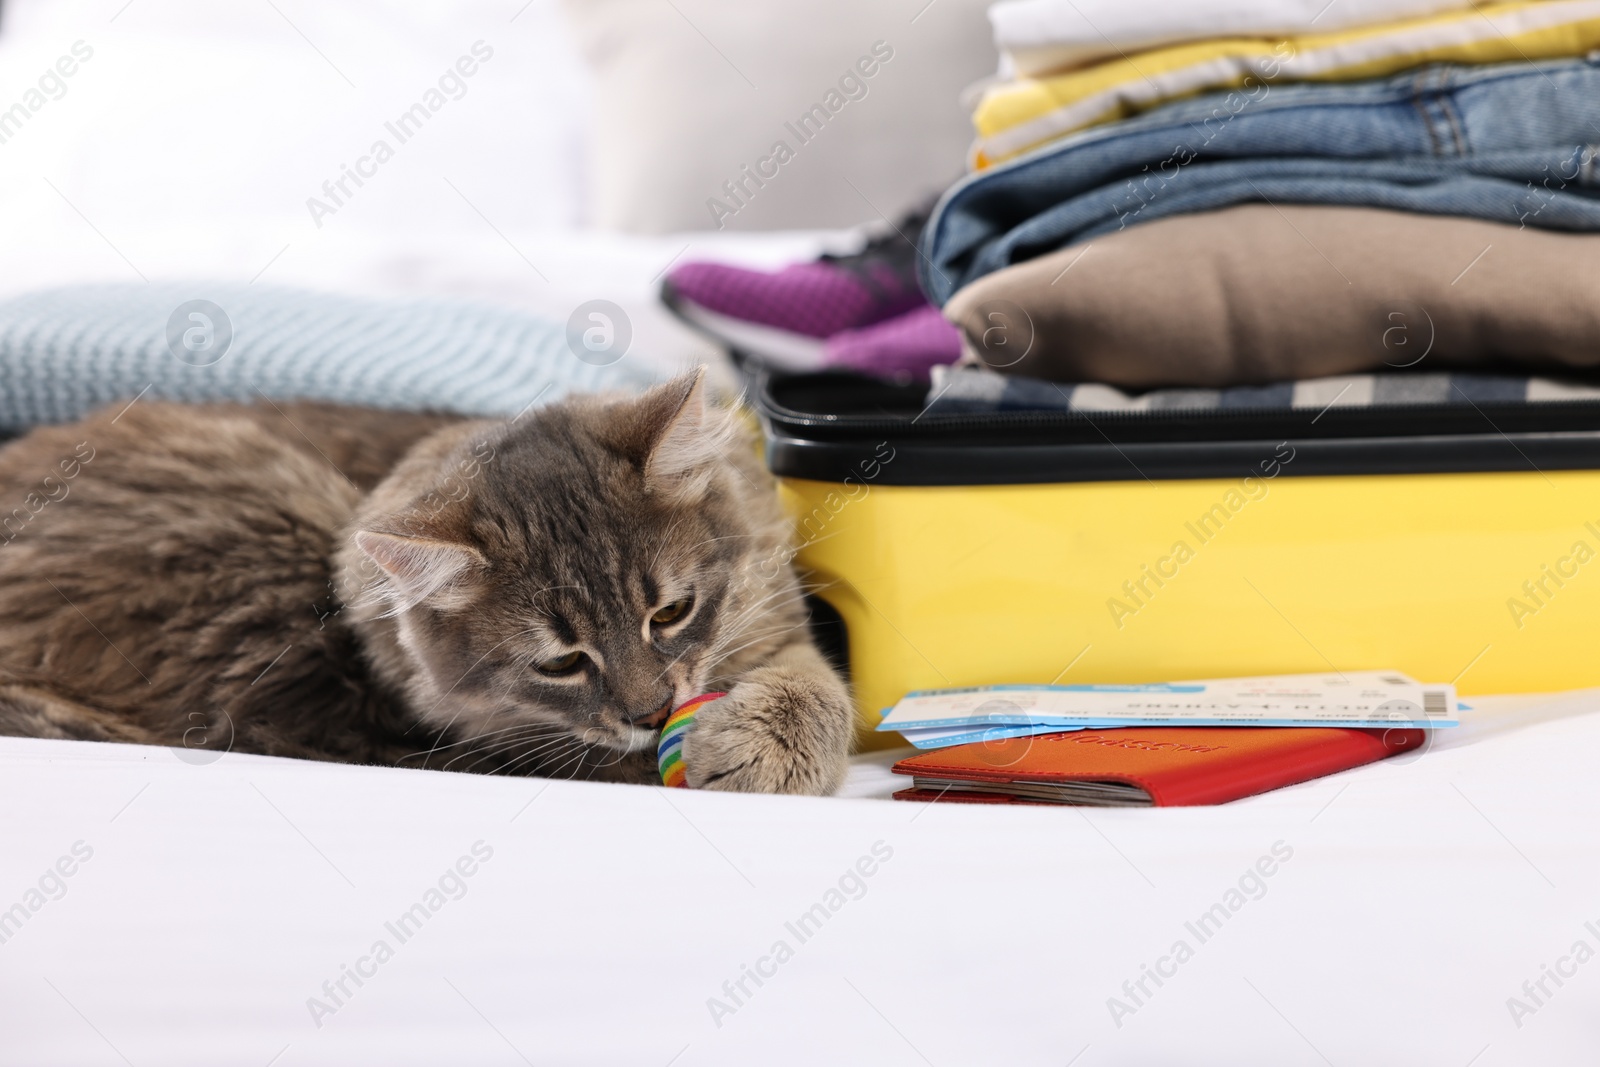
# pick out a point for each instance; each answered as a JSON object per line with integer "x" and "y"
{"x": 1513, "y": 143}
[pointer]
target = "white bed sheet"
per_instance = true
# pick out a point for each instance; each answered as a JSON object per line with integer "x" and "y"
{"x": 1419, "y": 897}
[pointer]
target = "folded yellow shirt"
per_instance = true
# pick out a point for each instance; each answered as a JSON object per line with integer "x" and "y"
{"x": 1019, "y": 116}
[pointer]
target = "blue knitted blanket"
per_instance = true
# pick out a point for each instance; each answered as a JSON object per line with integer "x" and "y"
{"x": 64, "y": 352}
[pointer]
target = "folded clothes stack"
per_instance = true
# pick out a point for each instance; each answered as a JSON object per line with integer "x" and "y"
{"x": 1278, "y": 191}
{"x": 1174, "y": 195}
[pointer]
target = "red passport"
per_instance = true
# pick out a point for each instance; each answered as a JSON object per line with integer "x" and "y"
{"x": 1163, "y": 766}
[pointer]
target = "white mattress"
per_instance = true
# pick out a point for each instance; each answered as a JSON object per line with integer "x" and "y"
{"x": 1419, "y": 897}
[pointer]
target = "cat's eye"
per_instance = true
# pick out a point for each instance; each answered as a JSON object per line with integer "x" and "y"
{"x": 672, "y": 612}
{"x": 561, "y": 664}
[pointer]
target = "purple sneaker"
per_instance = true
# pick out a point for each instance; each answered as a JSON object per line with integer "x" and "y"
{"x": 909, "y": 346}
{"x": 783, "y": 316}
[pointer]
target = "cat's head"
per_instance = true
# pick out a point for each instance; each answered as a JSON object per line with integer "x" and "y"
{"x": 569, "y": 571}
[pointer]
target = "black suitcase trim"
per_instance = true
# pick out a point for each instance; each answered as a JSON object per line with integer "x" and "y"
{"x": 829, "y": 427}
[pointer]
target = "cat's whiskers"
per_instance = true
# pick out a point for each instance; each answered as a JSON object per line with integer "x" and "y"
{"x": 716, "y": 651}
{"x": 616, "y": 759}
{"x": 564, "y": 749}
{"x": 465, "y": 741}
{"x": 531, "y": 725}
{"x": 719, "y": 650}
{"x": 508, "y": 739}
{"x": 746, "y": 636}
{"x": 811, "y": 588}
{"x": 733, "y": 628}
{"x": 747, "y": 611}
{"x": 577, "y": 765}
{"x": 548, "y": 750}
{"x": 723, "y": 656}
{"x": 516, "y": 749}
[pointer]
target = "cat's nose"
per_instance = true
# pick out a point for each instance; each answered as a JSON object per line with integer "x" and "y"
{"x": 656, "y": 719}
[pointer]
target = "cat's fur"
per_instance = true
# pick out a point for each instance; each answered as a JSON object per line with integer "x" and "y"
{"x": 349, "y": 584}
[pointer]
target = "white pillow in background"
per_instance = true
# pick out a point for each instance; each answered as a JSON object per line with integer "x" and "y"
{"x": 690, "y": 93}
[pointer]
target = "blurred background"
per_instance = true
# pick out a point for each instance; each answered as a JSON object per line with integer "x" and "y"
{"x": 205, "y": 141}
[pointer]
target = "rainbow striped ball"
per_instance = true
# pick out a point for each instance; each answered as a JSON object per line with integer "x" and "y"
{"x": 669, "y": 750}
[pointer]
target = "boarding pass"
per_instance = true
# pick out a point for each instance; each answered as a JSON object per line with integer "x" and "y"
{"x": 1356, "y": 699}
{"x": 945, "y": 736}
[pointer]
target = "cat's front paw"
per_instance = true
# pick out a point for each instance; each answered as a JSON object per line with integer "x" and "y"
{"x": 776, "y": 732}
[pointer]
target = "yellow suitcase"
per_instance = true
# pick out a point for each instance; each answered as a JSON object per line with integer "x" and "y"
{"x": 1456, "y": 542}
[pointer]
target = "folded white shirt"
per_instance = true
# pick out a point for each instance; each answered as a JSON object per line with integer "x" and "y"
{"x": 1037, "y": 37}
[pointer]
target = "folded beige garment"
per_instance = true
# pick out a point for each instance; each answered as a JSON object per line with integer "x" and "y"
{"x": 1264, "y": 293}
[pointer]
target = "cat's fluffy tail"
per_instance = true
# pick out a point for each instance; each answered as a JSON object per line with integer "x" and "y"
{"x": 28, "y": 710}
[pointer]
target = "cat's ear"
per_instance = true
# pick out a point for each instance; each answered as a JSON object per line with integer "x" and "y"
{"x": 664, "y": 429}
{"x": 417, "y": 567}
{"x": 681, "y": 443}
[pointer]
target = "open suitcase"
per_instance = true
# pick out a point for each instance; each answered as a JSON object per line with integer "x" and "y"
{"x": 1452, "y": 541}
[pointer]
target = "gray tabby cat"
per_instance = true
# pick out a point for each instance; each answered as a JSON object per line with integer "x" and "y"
{"x": 529, "y": 596}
